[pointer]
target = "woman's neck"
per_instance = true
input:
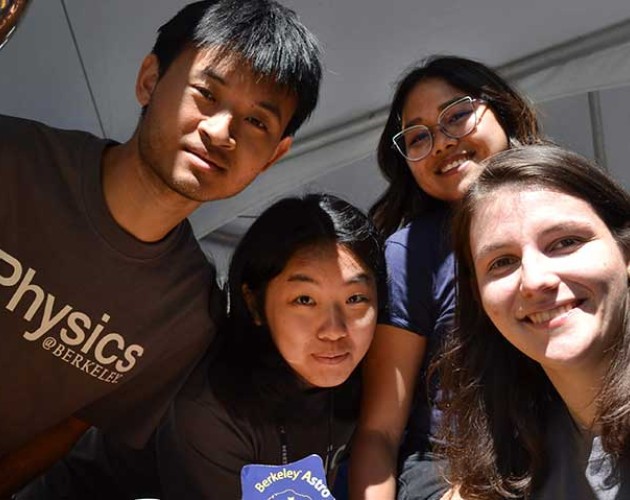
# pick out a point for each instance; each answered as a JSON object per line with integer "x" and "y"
{"x": 579, "y": 389}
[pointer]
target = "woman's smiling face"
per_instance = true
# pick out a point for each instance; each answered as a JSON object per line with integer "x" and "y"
{"x": 321, "y": 312}
{"x": 449, "y": 169}
{"x": 550, "y": 274}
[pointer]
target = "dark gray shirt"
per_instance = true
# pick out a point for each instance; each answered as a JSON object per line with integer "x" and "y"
{"x": 94, "y": 322}
{"x": 580, "y": 469}
{"x": 201, "y": 448}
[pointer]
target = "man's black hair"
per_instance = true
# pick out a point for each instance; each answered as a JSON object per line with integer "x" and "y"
{"x": 265, "y": 34}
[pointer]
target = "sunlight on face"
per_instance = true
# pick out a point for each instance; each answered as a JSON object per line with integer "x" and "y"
{"x": 453, "y": 164}
{"x": 550, "y": 274}
{"x": 210, "y": 127}
{"x": 321, "y": 311}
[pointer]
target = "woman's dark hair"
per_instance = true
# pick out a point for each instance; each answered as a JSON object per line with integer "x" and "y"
{"x": 495, "y": 398}
{"x": 263, "y": 33}
{"x": 249, "y": 374}
{"x": 404, "y": 199}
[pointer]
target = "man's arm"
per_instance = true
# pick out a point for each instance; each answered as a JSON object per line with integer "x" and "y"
{"x": 19, "y": 466}
{"x": 389, "y": 378}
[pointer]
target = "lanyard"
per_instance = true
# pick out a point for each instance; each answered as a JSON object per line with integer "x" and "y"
{"x": 284, "y": 442}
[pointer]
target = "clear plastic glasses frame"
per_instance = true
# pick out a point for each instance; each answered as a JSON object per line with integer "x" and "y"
{"x": 457, "y": 120}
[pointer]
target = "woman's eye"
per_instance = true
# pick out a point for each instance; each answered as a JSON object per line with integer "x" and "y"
{"x": 417, "y": 138}
{"x": 304, "y": 300}
{"x": 501, "y": 263}
{"x": 458, "y": 116}
{"x": 567, "y": 242}
{"x": 357, "y": 299}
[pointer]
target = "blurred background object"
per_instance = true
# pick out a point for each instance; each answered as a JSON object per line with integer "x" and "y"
{"x": 11, "y": 11}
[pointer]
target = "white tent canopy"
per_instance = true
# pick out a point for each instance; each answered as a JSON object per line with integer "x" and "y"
{"x": 587, "y": 65}
{"x": 72, "y": 63}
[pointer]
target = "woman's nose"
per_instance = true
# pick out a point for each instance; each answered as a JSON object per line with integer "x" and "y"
{"x": 334, "y": 326}
{"x": 441, "y": 141}
{"x": 537, "y": 274}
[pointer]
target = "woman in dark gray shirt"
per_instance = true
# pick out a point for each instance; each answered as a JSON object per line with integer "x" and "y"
{"x": 281, "y": 382}
{"x": 537, "y": 372}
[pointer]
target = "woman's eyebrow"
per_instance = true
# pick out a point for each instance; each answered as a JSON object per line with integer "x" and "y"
{"x": 446, "y": 104}
{"x": 418, "y": 120}
{"x": 560, "y": 227}
{"x": 360, "y": 277}
{"x": 304, "y": 278}
{"x": 489, "y": 249}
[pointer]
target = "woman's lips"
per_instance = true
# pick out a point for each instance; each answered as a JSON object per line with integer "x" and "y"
{"x": 551, "y": 316}
{"x": 452, "y": 165}
{"x": 331, "y": 359}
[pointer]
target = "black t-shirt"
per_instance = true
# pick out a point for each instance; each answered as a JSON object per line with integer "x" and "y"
{"x": 578, "y": 466}
{"x": 94, "y": 322}
{"x": 202, "y": 448}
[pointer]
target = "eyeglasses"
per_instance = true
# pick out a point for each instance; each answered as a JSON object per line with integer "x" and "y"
{"x": 456, "y": 120}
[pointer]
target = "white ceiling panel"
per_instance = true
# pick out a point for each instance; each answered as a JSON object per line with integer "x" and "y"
{"x": 369, "y": 43}
{"x": 40, "y": 72}
{"x": 616, "y": 112}
{"x": 113, "y": 37}
{"x": 560, "y": 117}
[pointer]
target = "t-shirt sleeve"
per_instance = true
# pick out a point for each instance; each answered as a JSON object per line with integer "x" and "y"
{"x": 420, "y": 277}
{"x": 409, "y": 283}
{"x": 201, "y": 450}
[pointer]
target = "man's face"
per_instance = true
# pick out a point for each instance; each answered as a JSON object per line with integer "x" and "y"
{"x": 210, "y": 126}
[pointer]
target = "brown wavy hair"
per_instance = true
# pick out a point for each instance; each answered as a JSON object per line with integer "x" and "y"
{"x": 495, "y": 398}
{"x": 403, "y": 199}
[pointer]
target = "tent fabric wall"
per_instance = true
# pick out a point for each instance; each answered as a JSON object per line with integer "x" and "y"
{"x": 602, "y": 70}
{"x": 301, "y": 167}
{"x": 349, "y": 143}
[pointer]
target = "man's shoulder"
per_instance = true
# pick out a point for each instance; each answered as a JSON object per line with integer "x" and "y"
{"x": 16, "y": 130}
{"x": 29, "y": 147}
{"x": 18, "y": 124}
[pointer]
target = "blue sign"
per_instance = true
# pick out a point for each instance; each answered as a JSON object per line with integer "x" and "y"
{"x": 301, "y": 480}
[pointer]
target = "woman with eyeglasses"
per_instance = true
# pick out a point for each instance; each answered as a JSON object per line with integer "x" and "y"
{"x": 536, "y": 374}
{"x": 447, "y": 116}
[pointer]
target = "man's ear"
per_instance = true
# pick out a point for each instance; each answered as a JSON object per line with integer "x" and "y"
{"x": 252, "y": 305}
{"x": 281, "y": 149}
{"x": 147, "y": 79}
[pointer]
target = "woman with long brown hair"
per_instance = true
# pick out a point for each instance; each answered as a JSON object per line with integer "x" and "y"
{"x": 536, "y": 375}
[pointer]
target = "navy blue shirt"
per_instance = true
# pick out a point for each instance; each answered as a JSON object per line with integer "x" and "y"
{"x": 421, "y": 299}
